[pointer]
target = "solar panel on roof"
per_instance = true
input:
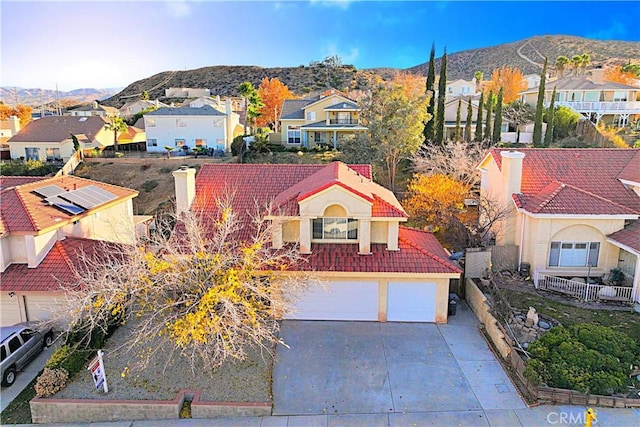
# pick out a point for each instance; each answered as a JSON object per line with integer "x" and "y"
{"x": 103, "y": 195}
{"x": 88, "y": 195}
{"x": 79, "y": 199}
{"x": 65, "y": 205}
{"x": 49, "y": 191}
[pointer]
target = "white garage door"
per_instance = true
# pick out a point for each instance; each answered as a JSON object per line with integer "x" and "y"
{"x": 338, "y": 301}
{"x": 9, "y": 310}
{"x": 40, "y": 307}
{"x": 411, "y": 302}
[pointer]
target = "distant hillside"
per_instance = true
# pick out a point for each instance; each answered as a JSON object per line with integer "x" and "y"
{"x": 225, "y": 80}
{"x": 36, "y": 97}
{"x": 528, "y": 55}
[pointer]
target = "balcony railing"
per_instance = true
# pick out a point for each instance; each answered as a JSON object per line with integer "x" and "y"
{"x": 602, "y": 106}
{"x": 583, "y": 291}
{"x": 344, "y": 121}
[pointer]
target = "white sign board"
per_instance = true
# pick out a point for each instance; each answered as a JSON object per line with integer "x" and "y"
{"x": 96, "y": 367}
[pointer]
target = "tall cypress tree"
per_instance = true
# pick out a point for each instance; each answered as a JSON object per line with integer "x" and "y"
{"x": 458, "y": 120}
{"x": 487, "y": 127}
{"x": 442, "y": 93}
{"x": 429, "y": 126}
{"x": 467, "y": 124}
{"x": 497, "y": 122}
{"x": 548, "y": 136}
{"x": 478, "y": 136}
{"x": 537, "y": 126}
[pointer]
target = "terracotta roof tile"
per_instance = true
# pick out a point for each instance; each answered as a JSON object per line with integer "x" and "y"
{"x": 629, "y": 236}
{"x": 12, "y": 181}
{"x": 23, "y": 210}
{"x": 55, "y": 269}
{"x": 591, "y": 177}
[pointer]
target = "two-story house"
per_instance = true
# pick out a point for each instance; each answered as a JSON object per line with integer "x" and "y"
{"x": 573, "y": 213}
{"x": 45, "y": 225}
{"x": 132, "y": 108}
{"x": 95, "y": 109}
{"x": 592, "y": 96}
{"x": 204, "y": 127}
{"x": 49, "y": 138}
{"x": 349, "y": 230}
{"x": 324, "y": 119}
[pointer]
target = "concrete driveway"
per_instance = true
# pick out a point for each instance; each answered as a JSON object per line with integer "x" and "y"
{"x": 385, "y": 368}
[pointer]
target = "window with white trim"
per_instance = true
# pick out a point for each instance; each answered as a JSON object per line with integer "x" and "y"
{"x": 627, "y": 262}
{"x": 293, "y": 134}
{"x": 335, "y": 229}
{"x": 180, "y": 142}
{"x": 53, "y": 153}
{"x": 152, "y": 142}
{"x": 311, "y": 115}
{"x": 574, "y": 254}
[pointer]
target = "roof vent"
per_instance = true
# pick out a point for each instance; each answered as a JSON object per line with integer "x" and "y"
{"x": 344, "y": 105}
{"x": 82, "y": 119}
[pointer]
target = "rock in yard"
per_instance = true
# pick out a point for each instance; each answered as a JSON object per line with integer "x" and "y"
{"x": 544, "y": 325}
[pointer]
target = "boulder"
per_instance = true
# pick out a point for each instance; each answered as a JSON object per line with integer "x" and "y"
{"x": 532, "y": 316}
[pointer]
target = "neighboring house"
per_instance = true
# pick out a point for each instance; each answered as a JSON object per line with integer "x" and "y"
{"x": 43, "y": 223}
{"x": 134, "y": 107}
{"x": 193, "y": 127}
{"x": 324, "y": 119}
{"x": 460, "y": 87}
{"x": 451, "y": 114}
{"x": 348, "y": 230}
{"x": 8, "y": 128}
{"x": 533, "y": 80}
{"x": 185, "y": 92}
{"x": 574, "y": 212}
{"x": 133, "y": 135}
{"x": 95, "y": 109}
{"x": 49, "y": 138}
{"x": 596, "y": 99}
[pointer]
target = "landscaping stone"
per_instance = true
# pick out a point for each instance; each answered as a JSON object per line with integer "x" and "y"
{"x": 544, "y": 325}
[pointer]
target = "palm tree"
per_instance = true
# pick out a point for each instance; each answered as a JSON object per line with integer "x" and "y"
{"x": 478, "y": 75}
{"x": 116, "y": 125}
{"x": 252, "y": 103}
{"x": 561, "y": 65}
{"x": 586, "y": 61}
{"x": 576, "y": 61}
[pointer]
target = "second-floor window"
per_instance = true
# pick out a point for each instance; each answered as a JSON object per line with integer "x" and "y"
{"x": 311, "y": 115}
{"x": 335, "y": 229}
{"x": 152, "y": 142}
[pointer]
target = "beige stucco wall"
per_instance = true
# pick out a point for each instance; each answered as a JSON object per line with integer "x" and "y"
{"x": 17, "y": 149}
{"x": 291, "y": 231}
{"x": 379, "y": 231}
{"x": 539, "y": 232}
{"x": 13, "y": 249}
{"x": 355, "y": 207}
{"x": 114, "y": 224}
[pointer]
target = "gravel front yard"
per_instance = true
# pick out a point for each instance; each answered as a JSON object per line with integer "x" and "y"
{"x": 247, "y": 381}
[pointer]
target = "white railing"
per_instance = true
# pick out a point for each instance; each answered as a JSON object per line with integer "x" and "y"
{"x": 602, "y": 106}
{"x": 71, "y": 165}
{"x": 583, "y": 291}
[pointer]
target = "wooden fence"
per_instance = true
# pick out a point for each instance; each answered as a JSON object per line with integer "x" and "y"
{"x": 71, "y": 164}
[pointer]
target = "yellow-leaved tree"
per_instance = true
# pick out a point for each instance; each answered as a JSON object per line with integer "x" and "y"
{"x": 510, "y": 79}
{"x": 195, "y": 290}
{"x": 433, "y": 198}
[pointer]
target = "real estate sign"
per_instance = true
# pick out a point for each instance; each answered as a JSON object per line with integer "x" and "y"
{"x": 96, "y": 367}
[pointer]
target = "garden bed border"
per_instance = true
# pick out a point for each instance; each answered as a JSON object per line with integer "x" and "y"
{"x": 45, "y": 410}
{"x": 504, "y": 346}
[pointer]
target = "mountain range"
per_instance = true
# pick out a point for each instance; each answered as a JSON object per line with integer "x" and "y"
{"x": 528, "y": 55}
{"x": 37, "y": 97}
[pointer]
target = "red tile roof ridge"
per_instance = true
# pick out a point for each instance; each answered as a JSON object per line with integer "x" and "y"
{"x": 425, "y": 251}
{"x": 65, "y": 255}
{"x": 553, "y": 189}
{"x": 495, "y": 152}
{"x": 561, "y": 186}
{"x": 395, "y": 208}
{"x": 24, "y": 206}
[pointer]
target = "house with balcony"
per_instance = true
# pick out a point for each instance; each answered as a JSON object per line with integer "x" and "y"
{"x": 46, "y": 225}
{"x": 347, "y": 228}
{"x": 204, "y": 127}
{"x": 324, "y": 119}
{"x": 573, "y": 214}
{"x": 49, "y": 138}
{"x": 590, "y": 95}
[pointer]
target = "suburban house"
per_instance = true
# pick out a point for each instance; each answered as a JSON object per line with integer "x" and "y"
{"x": 49, "y": 138}
{"x": 185, "y": 92}
{"x": 8, "y": 128}
{"x": 573, "y": 213}
{"x": 135, "y": 136}
{"x": 347, "y": 227}
{"x": 323, "y": 119}
{"x": 593, "y": 97}
{"x": 132, "y": 108}
{"x": 95, "y": 109}
{"x": 460, "y": 87}
{"x": 191, "y": 126}
{"x": 44, "y": 222}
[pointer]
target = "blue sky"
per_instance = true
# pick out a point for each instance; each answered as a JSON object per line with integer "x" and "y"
{"x": 97, "y": 44}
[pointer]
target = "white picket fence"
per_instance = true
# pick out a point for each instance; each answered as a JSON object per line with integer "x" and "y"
{"x": 583, "y": 291}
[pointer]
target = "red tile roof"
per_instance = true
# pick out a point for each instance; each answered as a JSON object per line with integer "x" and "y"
{"x": 24, "y": 211}
{"x": 12, "y": 181}
{"x": 577, "y": 180}
{"x": 252, "y": 186}
{"x": 419, "y": 252}
{"x": 55, "y": 269}
{"x": 629, "y": 236}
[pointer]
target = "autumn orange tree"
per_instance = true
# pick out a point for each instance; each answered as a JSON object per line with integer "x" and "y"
{"x": 23, "y": 112}
{"x": 617, "y": 75}
{"x": 272, "y": 92}
{"x": 433, "y": 198}
{"x": 510, "y": 79}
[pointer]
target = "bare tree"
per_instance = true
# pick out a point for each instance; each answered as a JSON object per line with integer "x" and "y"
{"x": 456, "y": 159}
{"x": 195, "y": 290}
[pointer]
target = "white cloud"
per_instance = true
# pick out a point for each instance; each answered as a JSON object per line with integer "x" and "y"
{"x": 340, "y": 4}
{"x": 178, "y": 8}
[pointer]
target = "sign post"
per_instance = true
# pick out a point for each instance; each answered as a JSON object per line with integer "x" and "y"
{"x": 96, "y": 367}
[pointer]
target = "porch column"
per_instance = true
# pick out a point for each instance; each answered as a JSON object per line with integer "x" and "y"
{"x": 364, "y": 236}
{"x": 636, "y": 281}
{"x": 335, "y": 139}
{"x": 305, "y": 235}
{"x": 276, "y": 234}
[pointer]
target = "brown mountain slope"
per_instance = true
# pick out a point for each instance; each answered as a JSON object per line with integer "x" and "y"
{"x": 528, "y": 55}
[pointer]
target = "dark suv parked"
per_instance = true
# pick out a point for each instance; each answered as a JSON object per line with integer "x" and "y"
{"x": 19, "y": 344}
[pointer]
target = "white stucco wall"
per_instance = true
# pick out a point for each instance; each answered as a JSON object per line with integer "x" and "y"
{"x": 165, "y": 131}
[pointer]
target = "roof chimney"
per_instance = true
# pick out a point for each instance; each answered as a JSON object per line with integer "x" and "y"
{"x": 14, "y": 124}
{"x": 185, "y": 187}
{"x": 511, "y": 173}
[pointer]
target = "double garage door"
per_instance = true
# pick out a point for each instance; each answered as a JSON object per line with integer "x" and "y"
{"x": 28, "y": 307}
{"x": 360, "y": 300}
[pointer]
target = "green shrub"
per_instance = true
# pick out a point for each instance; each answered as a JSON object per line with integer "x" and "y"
{"x": 583, "y": 357}
{"x": 27, "y": 168}
{"x": 149, "y": 185}
{"x": 165, "y": 170}
{"x": 70, "y": 359}
{"x": 237, "y": 144}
